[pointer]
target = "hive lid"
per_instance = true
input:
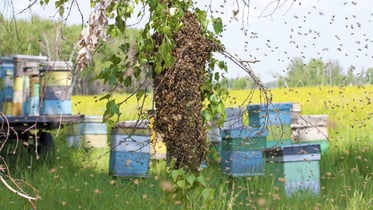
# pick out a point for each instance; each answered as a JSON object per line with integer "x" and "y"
{"x": 6, "y": 60}
{"x": 271, "y": 107}
{"x": 133, "y": 124}
{"x": 92, "y": 118}
{"x": 244, "y": 132}
{"x": 57, "y": 66}
{"x": 311, "y": 120}
{"x": 21, "y": 58}
{"x": 295, "y": 152}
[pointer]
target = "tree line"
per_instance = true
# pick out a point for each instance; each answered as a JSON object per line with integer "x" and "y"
{"x": 319, "y": 73}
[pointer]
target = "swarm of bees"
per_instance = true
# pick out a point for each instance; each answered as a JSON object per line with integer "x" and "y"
{"x": 177, "y": 95}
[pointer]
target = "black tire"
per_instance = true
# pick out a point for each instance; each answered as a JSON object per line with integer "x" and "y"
{"x": 45, "y": 143}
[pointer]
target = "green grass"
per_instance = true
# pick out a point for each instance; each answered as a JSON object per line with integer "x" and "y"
{"x": 78, "y": 179}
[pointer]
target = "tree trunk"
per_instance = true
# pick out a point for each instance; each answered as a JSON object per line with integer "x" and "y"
{"x": 178, "y": 103}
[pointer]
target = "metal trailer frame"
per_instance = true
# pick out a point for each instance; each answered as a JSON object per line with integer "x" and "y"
{"x": 22, "y": 128}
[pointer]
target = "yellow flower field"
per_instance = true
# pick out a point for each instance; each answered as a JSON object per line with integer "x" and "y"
{"x": 350, "y": 109}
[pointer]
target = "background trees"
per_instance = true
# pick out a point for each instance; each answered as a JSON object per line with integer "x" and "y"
{"x": 318, "y": 73}
{"x": 38, "y": 36}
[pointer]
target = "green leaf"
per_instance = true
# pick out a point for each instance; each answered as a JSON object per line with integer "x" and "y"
{"x": 190, "y": 179}
{"x": 158, "y": 67}
{"x": 222, "y": 65}
{"x": 175, "y": 174}
{"x": 201, "y": 15}
{"x": 115, "y": 59}
{"x": 207, "y": 116}
{"x": 217, "y": 24}
{"x": 137, "y": 71}
{"x": 220, "y": 108}
{"x": 112, "y": 107}
{"x": 208, "y": 194}
{"x": 166, "y": 30}
{"x": 61, "y": 10}
{"x": 124, "y": 47}
{"x": 127, "y": 81}
{"x": 217, "y": 76}
{"x": 139, "y": 94}
{"x": 201, "y": 181}
{"x": 181, "y": 184}
{"x": 214, "y": 99}
{"x": 58, "y": 3}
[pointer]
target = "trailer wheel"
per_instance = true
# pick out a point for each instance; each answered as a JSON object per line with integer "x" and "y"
{"x": 45, "y": 144}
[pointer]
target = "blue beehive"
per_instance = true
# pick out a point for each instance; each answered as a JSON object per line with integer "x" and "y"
{"x": 233, "y": 117}
{"x": 55, "y": 88}
{"x": 269, "y": 114}
{"x": 56, "y": 107}
{"x": 295, "y": 167}
{"x": 242, "y": 151}
{"x": 6, "y": 84}
{"x": 130, "y": 149}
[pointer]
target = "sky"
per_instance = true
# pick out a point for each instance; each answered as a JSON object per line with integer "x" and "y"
{"x": 331, "y": 30}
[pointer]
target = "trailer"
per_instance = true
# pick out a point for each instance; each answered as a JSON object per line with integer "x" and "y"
{"x": 35, "y": 129}
{"x": 35, "y": 97}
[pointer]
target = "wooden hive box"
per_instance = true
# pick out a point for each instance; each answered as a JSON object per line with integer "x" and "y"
{"x": 242, "y": 151}
{"x": 295, "y": 167}
{"x": 130, "y": 149}
{"x": 234, "y": 117}
{"x": 93, "y": 132}
{"x": 269, "y": 114}
{"x": 311, "y": 129}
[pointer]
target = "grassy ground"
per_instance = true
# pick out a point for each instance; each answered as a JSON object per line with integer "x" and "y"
{"x": 78, "y": 179}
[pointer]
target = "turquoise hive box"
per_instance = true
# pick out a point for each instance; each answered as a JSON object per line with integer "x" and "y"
{"x": 242, "y": 151}
{"x": 295, "y": 167}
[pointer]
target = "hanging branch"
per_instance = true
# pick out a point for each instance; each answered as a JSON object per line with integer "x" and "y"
{"x": 244, "y": 65}
{"x": 19, "y": 191}
{"x": 23, "y": 195}
{"x": 3, "y": 166}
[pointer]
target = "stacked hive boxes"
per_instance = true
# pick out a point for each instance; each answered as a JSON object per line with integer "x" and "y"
{"x": 294, "y": 166}
{"x": 24, "y": 66}
{"x": 242, "y": 151}
{"x": 130, "y": 149}
{"x": 31, "y": 90}
{"x": 55, "y": 84}
{"x": 94, "y": 132}
{"x": 276, "y": 118}
{"x": 241, "y": 145}
{"x": 28, "y": 90}
{"x": 234, "y": 119}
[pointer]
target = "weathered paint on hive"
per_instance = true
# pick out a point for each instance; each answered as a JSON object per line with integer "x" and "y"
{"x": 269, "y": 114}
{"x": 129, "y": 154}
{"x": 295, "y": 167}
